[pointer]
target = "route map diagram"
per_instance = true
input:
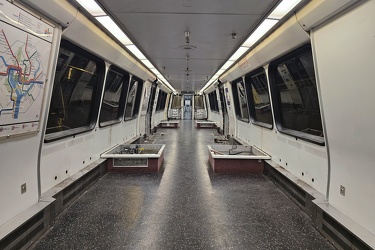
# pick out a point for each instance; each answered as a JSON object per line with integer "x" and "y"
{"x": 23, "y": 64}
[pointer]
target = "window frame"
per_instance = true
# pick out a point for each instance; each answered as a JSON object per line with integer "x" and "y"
{"x": 122, "y": 100}
{"x": 96, "y": 95}
{"x": 272, "y": 69}
{"x": 214, "y": 106}
{"x": 251, "y": 101}
{"x": 162, "y": 99}
{"x": 137, "y": 96}
{"x": 236, "y": 99}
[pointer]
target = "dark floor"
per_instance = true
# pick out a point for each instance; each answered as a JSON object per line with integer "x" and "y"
{"x": 183, "y": 207}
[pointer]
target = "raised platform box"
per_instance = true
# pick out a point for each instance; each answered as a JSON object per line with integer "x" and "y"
{"x": 169, "y": 124}
{"x": 135, "y": 158}
{"x": 236, "y": 159}
{"x": 205, "y": 124}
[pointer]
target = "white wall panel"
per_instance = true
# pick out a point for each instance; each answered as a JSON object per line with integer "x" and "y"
{"x": 257, "y": 134}
{"x": 157, "y": 118}
{"x": 345, "y": 65}
{"x": 318, "y": 11}
{"x": 267, "y": 136}
{"x": 244, "y": 132}
{"x": 19, "y": 155}
{"x": 65, "y": 157}
{"x": 18, "y": 166}
{"x": 216, "y": 117}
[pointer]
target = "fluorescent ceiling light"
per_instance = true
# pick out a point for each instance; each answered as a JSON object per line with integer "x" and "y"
{"x": 156, "y": 72}
{"x": 148, "y": 64}
{"x": 95, "y": 10}
{"x": 283, "y": 8}
{"x": 92, "y": 7}
{"x": 136, "y": 52}
{"x": 238, "y": 53}
{"x": 219, "y": 72}
{"x": 227, "y": 65}
{"x": 112, "y": 27}
{"x": 263, "y": 28}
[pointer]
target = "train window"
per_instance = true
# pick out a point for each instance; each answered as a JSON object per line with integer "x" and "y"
{"x": 116, "y": 87}
{"x": 162, "y": 98}
{"x": 76, "y": 92}
{"x": 176, "y": 102}
{"x": 240, "y": 96}
{"x": 198, "y": 102}
{"x": 134, "y": 98}
{"x": 259, "y": 99}
{"x": 295, "y": 95}
{"x": 213, "y": 101}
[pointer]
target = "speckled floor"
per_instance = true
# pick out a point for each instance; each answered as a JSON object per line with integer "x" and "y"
{"x": 185, "y": 206}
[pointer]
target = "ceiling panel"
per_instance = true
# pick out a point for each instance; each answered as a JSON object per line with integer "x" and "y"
{"x": 157, "y": 27}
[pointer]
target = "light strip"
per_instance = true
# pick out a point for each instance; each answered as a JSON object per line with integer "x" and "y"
{"x": 112, "y": 27}
{"x": 95, "y": 10}
{"x": 283, "y": 8}
{"x": 227, "y": 65}
{"x": 238, "y": 53}
{"x": 278, "y": 13}
{"x": 136, "y": 52}
{"x": 92, "y": 7}
{"x": 263, "y": 28}
{"x": 148, "y": 64}
{"x": 155, "y": 71}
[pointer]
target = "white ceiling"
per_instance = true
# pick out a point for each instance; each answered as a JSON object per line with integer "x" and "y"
{"x": 158, "y": 28}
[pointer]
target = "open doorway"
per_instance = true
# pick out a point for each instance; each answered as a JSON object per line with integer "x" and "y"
{"x": 188, "y": 103}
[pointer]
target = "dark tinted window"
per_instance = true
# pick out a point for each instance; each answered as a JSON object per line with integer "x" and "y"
{"x": 162, "y": 98}
{"x": 212, "y": 97}
{"x": 198, "y": 102}
{"x": 133, "y": 99}
{"x": 76, "y": 92}
{"x": 260, "y": 110}
{"x": 295, "y": 95}
{"x": 176, "y": 102}
{"x": 240, "y": 96}
{"x": 113, "y": 103}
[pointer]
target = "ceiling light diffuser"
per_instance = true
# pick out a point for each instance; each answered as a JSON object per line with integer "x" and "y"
{"x": 283, "y": 8}
{"x": 136, "y": 52}
{"x": 92, "y": 7}
{"x": 263, "y": 28}
{"x": 238, "y": 53}
{"x": 112, "y": 27}
{"x": 148, "y": 64}
{"x": 227, "y": 65}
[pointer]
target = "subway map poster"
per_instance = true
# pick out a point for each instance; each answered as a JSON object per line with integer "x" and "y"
{"x": 25, "y": 45}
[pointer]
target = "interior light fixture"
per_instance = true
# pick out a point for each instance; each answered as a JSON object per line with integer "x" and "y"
{"x": 240, "y": 51}
{"x": 148, "y": 64}
{"x": 112, "y": 27}
{"x": 96, "y": 11}
{"x": 219, "y": 72}
{"x": 136, "y": 52}
{"x": 283, "y": 8}
{"x": 92, "y": 7}
{"x": 155, "y": 71}
{"x": 278, "y": 13}
{"x": 262, "y": 29}
{"x": 227, "y": 65}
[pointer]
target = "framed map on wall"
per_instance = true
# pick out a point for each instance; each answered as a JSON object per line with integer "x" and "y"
{"x": 25, "y": 46}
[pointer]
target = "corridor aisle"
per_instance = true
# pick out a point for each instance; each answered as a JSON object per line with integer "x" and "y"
{"x": 185, "y": 206}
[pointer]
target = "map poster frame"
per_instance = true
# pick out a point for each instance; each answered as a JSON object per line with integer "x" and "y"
{"x": 25, "y": 50}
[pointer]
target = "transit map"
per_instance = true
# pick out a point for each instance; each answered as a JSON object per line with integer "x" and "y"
{"x": 25, "y": 45}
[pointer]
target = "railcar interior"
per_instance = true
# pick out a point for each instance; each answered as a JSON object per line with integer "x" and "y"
{"x": 260, "y": 114}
